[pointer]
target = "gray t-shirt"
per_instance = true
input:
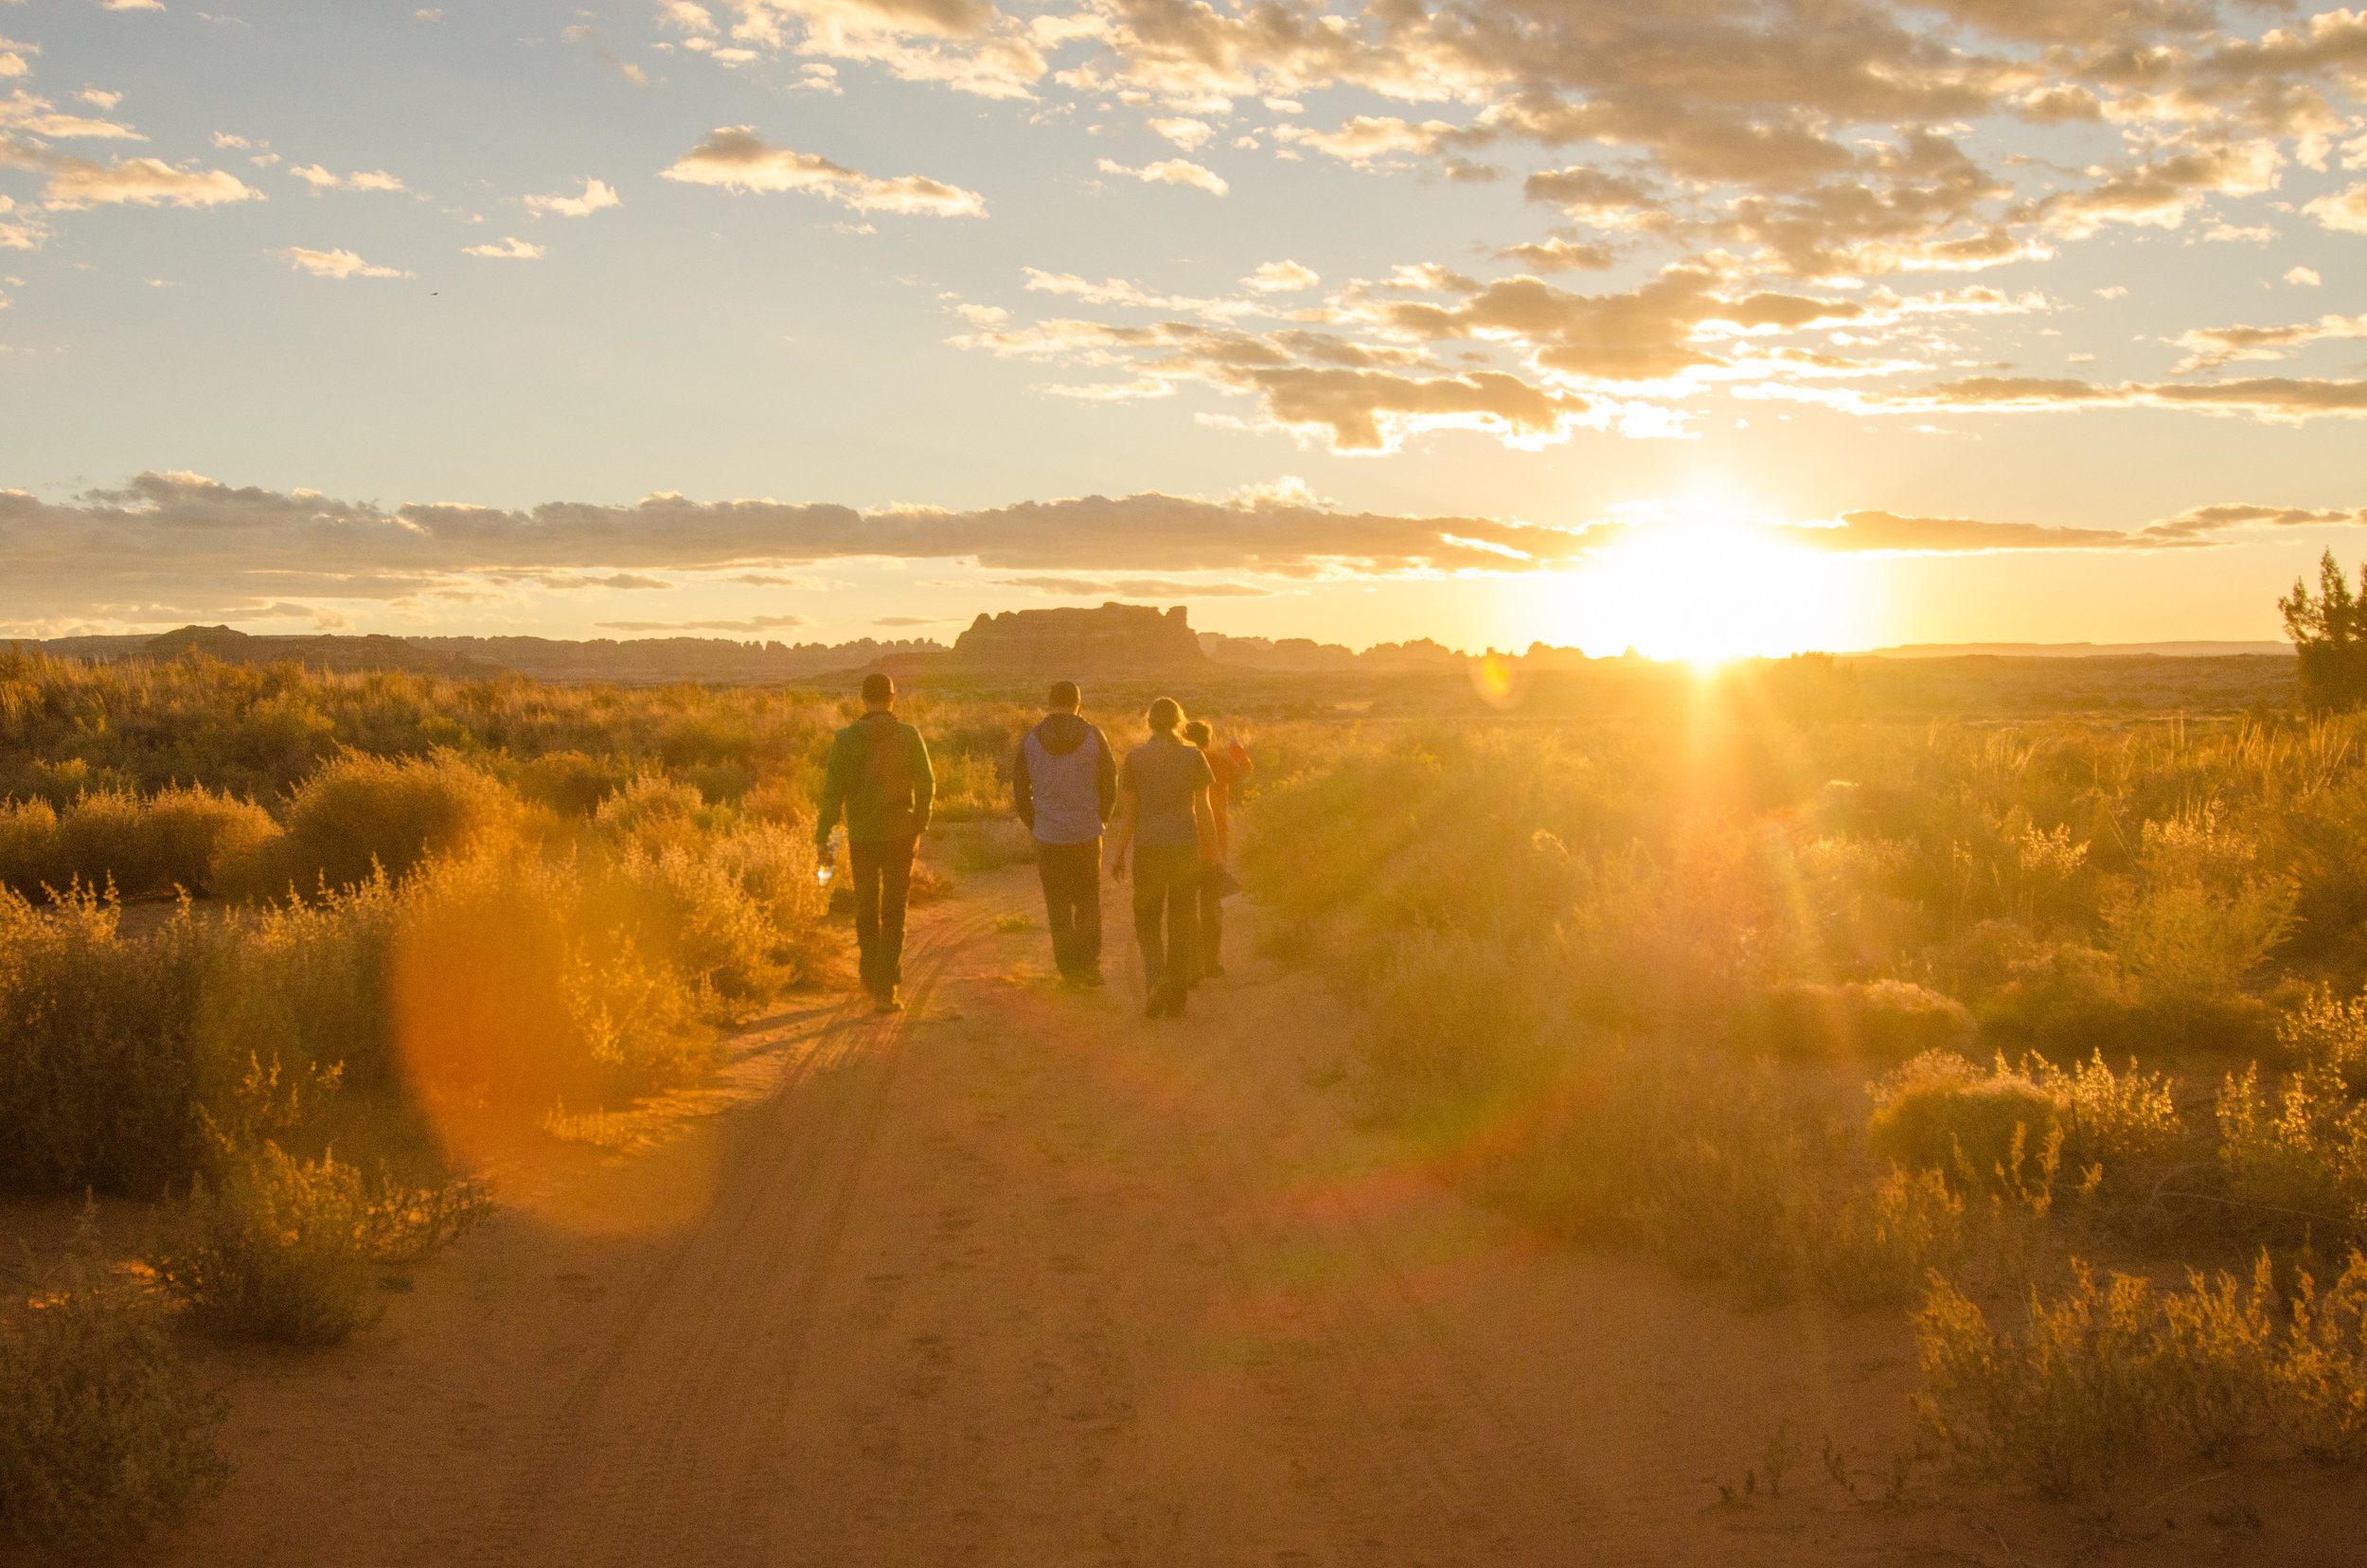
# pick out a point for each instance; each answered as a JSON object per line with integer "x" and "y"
{"x": 1165, "y": 772}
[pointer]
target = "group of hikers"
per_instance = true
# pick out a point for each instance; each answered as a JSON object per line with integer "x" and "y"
{"x": 1163, "y": 807}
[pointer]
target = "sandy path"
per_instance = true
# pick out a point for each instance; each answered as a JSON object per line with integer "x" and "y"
{"x": 1020, "y": 1278}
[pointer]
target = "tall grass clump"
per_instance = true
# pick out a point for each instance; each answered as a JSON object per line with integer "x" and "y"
{"x": 105, "y": 1438}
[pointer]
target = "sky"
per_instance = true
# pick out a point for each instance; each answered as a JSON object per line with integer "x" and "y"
{"x": 1703, "y": 326}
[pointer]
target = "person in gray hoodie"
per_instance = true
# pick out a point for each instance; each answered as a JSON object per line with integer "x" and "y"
{"x": 1064, "y": 785}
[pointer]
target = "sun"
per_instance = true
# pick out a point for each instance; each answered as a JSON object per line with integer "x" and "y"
{"x": 1708, "y": 591}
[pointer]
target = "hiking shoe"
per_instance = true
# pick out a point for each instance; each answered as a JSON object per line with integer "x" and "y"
{"x": 888, "y": 1002}
{"x": 1091, "y": 979}
{"x": 1155, "y": 1004}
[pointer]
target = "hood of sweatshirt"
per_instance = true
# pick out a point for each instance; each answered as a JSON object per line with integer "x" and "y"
{"x": 1062, "y": 732}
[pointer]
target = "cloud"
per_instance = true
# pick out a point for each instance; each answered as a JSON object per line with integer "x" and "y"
{"x": 2302, "y": 277}
{"x": 590, "y": 38}
{"x": 2162, "y": 192}
{"x": 2343, "y": 210}
{"x": 1280, "y": 277}
{"x": 23, "y": 114}
{"x": 20, "y": 230}
{"x": 915, "y": 620}
{"x": 1554, "y": 256}
{"x": 1160, "y": 588}
{"x": 337, "y": 263}
{"x": 2208, "y": 348}
{"x": 510, "y": 249}
{"x": 78, "y": 184}
{"x": 1368, "y": 137}
{"x": 322, "y": 179}
{"x": 2282, "y": 398}
{"x": 1591, "y": 195}
{"x": 1173, "y": 172}
{"x": 596, "y": 194}
{"x": 1185, "y": 133}
{"x": 2203, "y": 521}
{"x": 170, "y": 547}
{"x": 735, "y": 158}
{"x": 752, "y": 623}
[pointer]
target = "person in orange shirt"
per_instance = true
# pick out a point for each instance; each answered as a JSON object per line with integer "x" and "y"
{"x": 1230, "y": 766}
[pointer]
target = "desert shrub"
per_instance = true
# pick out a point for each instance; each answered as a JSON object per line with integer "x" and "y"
{"x": 655, "y": 813}
{"x": 104, "y": 1436}
{"x": 2111, "y": 1118}
{"x": 1453, "y": 1026}
{"x": 2319, "y": 1380}
{"x": 1735, "y": 1171}
{"x": 571, "y": 783}
{"x": 116, "y": 1052}
{"x": 2102, "y": 1374}
{"x": 2300, "y": 1162}
{"x": 721, "y": 783}
{"x": 2067, "y": 999}
{"x": 990, "y": 843}
{"x": 171, "y": 840}
{"x": 499, "y": 966}
{"x": 2327, "y": 1030}
{"x": 2065, "y": 1406}
{"x": 96, "y": 1079}
{"x": 361, "y": 814}
{"x": 2198, "y": 921}
{"x": 1941, "y": 1113}
{"x": 29, "y": 859}
{"x": 1876, "y": 1022}
{"x": 288, "y": 1250}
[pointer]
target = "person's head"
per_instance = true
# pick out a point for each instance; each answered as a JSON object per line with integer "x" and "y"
{"x": 1166, "y": 713}
{"x": 1065, "y": 697}
{"x": 1198, "y": 732}
{"x": 879, "y": 692}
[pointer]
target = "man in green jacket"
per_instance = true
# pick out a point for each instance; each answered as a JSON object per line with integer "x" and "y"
{"x": 878, "y": 776}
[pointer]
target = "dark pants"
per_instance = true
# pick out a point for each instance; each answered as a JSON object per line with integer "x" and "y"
{"x": 1211, "y": 917}
{"x": 884, "y": 876}
{"x": 1071, "y": 903}
{"x": 1166, "y": 883}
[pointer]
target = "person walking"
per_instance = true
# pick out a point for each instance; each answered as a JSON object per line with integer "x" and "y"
{"x": 1164, "y": 821}
{"x": 1064, "y": 785}
{"x": 879, "y": 774}
{"x": 1226, "y": 769}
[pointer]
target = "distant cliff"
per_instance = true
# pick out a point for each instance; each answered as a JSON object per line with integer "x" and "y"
{"x": 649, "y": 661}
{"x": 1115, "y": 639}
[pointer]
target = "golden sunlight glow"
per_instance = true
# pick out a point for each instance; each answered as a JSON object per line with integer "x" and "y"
{"x": 1706, "y": 591}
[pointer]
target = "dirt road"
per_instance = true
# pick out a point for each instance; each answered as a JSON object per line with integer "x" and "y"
{"x": 1018, "y": 1277}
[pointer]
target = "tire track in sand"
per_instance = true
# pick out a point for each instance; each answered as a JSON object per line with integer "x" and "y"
{"x": 660, "y": 1451}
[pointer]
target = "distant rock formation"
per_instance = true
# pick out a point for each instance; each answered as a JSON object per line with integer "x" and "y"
{"x": 1298, "y": 655}
{"x": 320, "y": 653}
{"x": 1115, "y": 639}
